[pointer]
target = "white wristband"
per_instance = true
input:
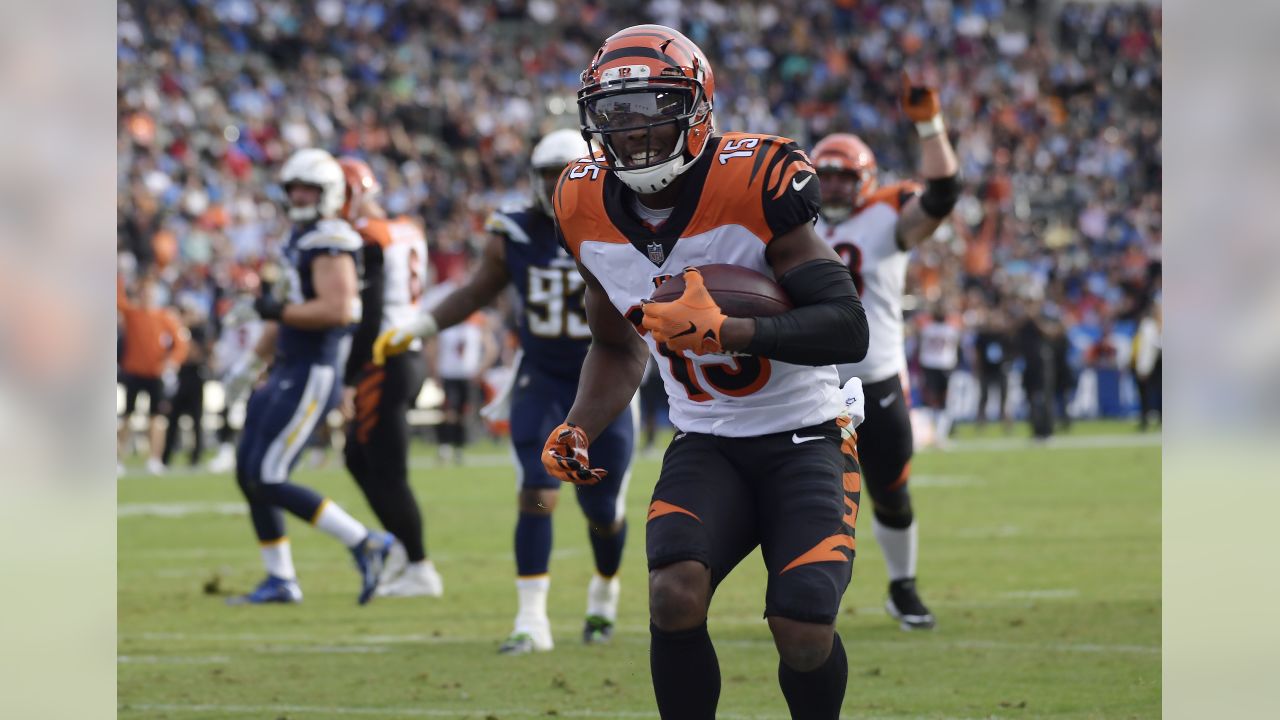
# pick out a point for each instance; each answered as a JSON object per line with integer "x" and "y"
{"x": 929, "y": 128}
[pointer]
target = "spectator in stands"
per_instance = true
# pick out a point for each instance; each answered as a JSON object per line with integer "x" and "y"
{"x": 1056, "y": 118}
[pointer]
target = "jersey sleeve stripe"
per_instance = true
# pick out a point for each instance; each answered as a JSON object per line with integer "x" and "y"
{"x": 503, "y": 225}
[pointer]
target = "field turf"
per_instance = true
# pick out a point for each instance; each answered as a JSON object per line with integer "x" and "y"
{"x": 1042, "y": 563}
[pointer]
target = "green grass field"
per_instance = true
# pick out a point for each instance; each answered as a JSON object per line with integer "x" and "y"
{"x": 1042, "y": 564}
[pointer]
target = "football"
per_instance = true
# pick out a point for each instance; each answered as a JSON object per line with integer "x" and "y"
{"x": 739, "y": 291}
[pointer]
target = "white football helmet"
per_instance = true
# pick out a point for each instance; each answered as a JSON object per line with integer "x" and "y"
{"x": 555, "y": 150}
{"x": 314, "y": 166}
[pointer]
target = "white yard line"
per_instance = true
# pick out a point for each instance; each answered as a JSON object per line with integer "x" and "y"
{"x": 633, "y": 634}
{"x": 180, "y": 509}
{"x": 1048, "y": 594}
{"x": 288, "y": 649}
{"x": 172, "y": 660}
{"x": 496, "y": 460}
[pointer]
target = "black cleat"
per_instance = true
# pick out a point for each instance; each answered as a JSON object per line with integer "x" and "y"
{"x": 905, "y": 606}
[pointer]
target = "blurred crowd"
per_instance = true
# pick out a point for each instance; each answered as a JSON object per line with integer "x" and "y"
{"x": 1054, "y": 109}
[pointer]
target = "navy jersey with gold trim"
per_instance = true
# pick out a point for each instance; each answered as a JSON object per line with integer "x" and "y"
{"x": 307, "y": 242}
{"x": 552, "y": 323}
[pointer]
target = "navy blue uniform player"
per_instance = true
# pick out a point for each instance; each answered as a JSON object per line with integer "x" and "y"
{"x": 314, "y": 322}
{"x": 523, "y": 251}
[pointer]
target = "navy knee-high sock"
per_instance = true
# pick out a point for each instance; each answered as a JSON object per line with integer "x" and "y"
{"x": 607, "y": 548}
{"x": 533, "y": 544}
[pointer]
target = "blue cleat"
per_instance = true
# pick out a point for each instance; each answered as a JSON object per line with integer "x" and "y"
{"x": 271, "y": 590}
{"x": 371, "y": 555}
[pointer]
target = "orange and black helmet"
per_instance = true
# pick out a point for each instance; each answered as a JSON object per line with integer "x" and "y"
{"x": 846, "y": 153}
{"x": 646, "y": 100}
{"x": 361, "y": 183}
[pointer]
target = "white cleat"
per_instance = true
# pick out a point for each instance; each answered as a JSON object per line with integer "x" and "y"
{"x": 416, "y": 580}
{"x": 224, "y": 461}
{"x": 155, "y": 467}
{"x": 528, "y": 640}
{"x": 395, "y": 564}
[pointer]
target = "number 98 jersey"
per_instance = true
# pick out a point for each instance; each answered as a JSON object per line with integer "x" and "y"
{"x": 741, "y": 193}
{"x": 867, "y": 242}
{"x": 552, "y": 323}
{"x": 398, "y": 248}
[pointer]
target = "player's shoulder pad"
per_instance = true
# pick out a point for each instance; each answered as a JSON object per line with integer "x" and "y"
{"x": 374, "y": 231}
{"x": 895, "y": 195}
{"x": 768, "y": 179}
{"x": 331, "y": 234}
{"x": 513, "y": 207}
{"x": 578, "y": 204}
{"x": 576, "y": 182}
{"x": 507, "y": 225}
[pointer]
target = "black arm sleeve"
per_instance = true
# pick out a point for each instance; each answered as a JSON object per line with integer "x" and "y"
{"x": 371, "y": 295}
{"x": 940, "y": 196}
{"x": 827, "y": 325}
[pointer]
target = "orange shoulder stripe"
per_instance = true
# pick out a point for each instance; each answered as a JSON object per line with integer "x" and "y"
{"x": 746, "y": 167}
{"x": 375, "y": 231}
{"x": 579, "y": 207}
{"x": 894, "y": 195}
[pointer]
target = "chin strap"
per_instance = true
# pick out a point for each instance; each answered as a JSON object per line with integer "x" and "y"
{"x": 653, "y": 179}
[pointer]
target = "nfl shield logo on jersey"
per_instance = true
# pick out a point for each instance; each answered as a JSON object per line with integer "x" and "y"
{"x": 656, "y": 253}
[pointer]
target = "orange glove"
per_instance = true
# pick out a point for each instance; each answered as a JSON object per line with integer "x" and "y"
{"x": 691, "y": 323}
{"x": 919, "y": 102}
{"x": 565, "y": 456}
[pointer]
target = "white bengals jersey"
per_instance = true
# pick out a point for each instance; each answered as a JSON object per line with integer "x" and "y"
{"x": 238, "y": 338}
{"x": 460, "y": 349}
{"x": 939, "y": 345}
{"x": 868, "y": 244}
{"x": 404, "y": 265}
{"x": 743, "y": 191}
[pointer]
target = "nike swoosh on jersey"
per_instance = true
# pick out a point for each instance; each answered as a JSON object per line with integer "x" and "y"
{"x": 798, "y": 185}
{"x": 797, "y": 439}
{"x": 887, "y": 400}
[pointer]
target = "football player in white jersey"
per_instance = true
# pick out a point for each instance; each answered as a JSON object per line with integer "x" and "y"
{"x": 939, "y": 352}
{"x": 873, "y": 230}
{"x": 234, "y": 354}
{"x": 760, "y": 458}
{"x": 377, "y": 397}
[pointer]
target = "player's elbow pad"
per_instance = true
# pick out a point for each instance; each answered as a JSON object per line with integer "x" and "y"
{"x": 940, "y": 196}
{"x": 827, "y": 325}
